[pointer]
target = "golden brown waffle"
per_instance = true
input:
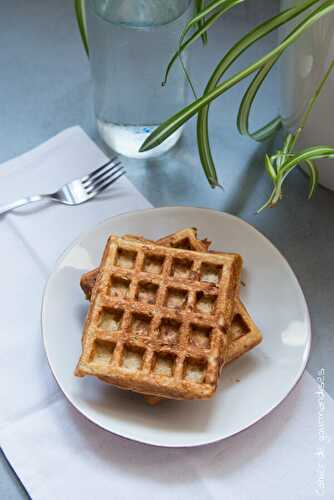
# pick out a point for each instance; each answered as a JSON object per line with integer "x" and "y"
{"x": 244, "y": 336}
{"x": 155, "y": 324}
{"x": 186, "y": 239}
{"x": 243, "y": 332}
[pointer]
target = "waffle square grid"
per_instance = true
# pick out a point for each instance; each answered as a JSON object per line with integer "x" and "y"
{"x": 158, "y": 318}
{"x": 244, "y": 333}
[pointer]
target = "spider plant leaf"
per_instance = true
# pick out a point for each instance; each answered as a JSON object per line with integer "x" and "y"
{"x": 204, "y": 148}
{"x": 285, "y": 153}
{"x": 309, "y": 154}
{"x": 270, "y": 168}
{"x": 200, "y": 5}
{"x": 267, "y": 130}
{"x": 247, "y": 102}
{"x": 268, "y": 203}
{"x": 313, "y": 175}
{"x": 202, "y": 13}
{"x": 80, "y": 12}
{"x": 208, "y": 167}
{"x": 279, "y": 155}
{"x": 312, "y": 153}
{"x": 250, "y": 38}
{"x": 288, "y": 143}
{"x": 276, "y": 156}
{"x": 206, "y": 24}
{"x": 249, "y": 96}
{"x": 311, "y": 104}
{"x": 174, "y": 122}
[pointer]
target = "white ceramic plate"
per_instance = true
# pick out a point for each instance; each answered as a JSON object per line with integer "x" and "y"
{"x": 251, "y": 386}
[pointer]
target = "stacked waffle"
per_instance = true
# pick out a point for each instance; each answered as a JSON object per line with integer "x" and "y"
{"x": 164, "y": 316}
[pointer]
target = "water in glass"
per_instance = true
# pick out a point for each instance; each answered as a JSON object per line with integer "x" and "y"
{"x": 131, "y": 42}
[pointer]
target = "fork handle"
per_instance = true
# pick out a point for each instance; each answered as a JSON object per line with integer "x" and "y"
{"x": 22, "y": 201}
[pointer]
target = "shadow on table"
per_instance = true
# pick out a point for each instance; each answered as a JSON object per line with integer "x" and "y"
{"x": 251, "y": 175}
{"x": 177, "y": 178}
{"x": 170, "y": 178}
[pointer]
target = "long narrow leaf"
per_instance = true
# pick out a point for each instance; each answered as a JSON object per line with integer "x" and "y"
{"x": 200, "y": 15}
{"x": 247, "y": 102}
{"x": 226, "y": 6}
{"x": 311, "y": 103}
{"x": 249, "y": 39}
{"x": 81, "y": 19}
{"x": 268, "y": 203}
{"x": 314, "y": 177}
{"x": 286, "y": 151}
{"x": 267, "y": 130}
{"x": 313, "y": 153}
{"x": 249, "y": 96}
{"x": 283, "y": 154}
{"x": 174, "y": 122}
{"x": 200, "y": 5}
{"x": 306, "y": 156}
{"x": 288, "y": 143}
{"x": 270, "y": 168}
{"x": 211, "y": 174}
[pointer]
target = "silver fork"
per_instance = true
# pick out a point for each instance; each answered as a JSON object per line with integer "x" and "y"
{"x": 79, "y": 190}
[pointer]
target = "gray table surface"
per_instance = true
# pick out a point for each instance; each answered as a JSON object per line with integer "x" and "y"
{"x": 45, "y": 86}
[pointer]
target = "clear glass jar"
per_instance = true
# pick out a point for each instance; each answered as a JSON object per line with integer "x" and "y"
{"x": 131, "y": 42}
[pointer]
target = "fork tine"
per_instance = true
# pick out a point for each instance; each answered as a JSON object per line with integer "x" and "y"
{"x": 99, "y": 169}
{"x": 104, "y": 173}
{"x": 95, "y": 185}
{"x": 105, "y": 186}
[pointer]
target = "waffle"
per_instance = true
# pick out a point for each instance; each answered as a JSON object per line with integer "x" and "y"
{"x": 186, "y": 239}
{"x": 244, "y": 333}
{"x": 155, "y": 324}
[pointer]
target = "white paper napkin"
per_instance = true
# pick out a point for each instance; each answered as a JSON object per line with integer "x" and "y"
{"x": 55, "y": 451}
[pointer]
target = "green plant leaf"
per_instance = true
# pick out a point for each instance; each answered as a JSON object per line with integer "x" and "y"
{"x": 202, "y": 13}
{"x": 314, "y": 177}
{"x": 247, "y": 102}
{"x": 288, "y": 143}
{"x": 307, "y": 156}
{"x": 210, "y": 173}
{"x": 312, "y": 153}
{"x": 174, "y": 122}
{"x": 311, "y": 103}
{"x": 80, "y": 11}
{"x": 270, "y": 168}
{"x": 286, "y": 160}
{"x": 200, "y": 5}
{"x": 249, "y": 39}
{"x": 205, "y": 25}
{"x": 268, "y": 203}
{"x": 286, "y": 151}
{"x": 249, "y": 96}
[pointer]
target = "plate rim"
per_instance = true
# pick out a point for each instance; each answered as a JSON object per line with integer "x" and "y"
{"x": 85, "y": 234}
